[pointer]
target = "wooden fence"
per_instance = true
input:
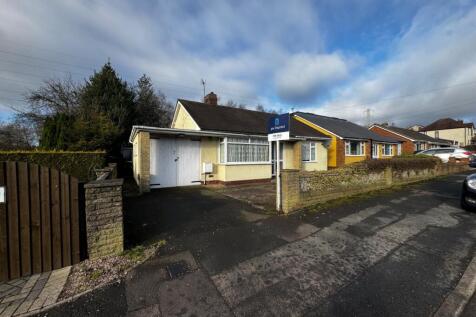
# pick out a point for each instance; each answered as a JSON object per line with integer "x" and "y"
{"x": 39, "y": 219}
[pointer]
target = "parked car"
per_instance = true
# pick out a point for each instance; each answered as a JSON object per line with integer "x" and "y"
{"x": 445, "y": 153}
{"x": 472, "y": 160}
{"x": 468, "y": 194}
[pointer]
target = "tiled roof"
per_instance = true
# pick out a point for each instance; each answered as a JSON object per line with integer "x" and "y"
{"x": 447, "y": 123}
{"x": 412, "y": 135}
{"x": 229, "y": 119}
{"x": 343, "y": 128}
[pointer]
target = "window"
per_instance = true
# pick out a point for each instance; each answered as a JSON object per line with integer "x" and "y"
{"x": 356, "y": 148}
{"x": 387, "y": 149}
{"x": 437, "y": 134}
{"x": 308, "y": 151}
{"x": 244, "y": 150}
{"x": 399, "y": 149}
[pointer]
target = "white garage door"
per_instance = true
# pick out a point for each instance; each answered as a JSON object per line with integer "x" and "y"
{"x": 174, "y": 162}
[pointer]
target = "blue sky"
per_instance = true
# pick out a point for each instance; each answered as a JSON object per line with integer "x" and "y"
{"x": 407, "y": 61}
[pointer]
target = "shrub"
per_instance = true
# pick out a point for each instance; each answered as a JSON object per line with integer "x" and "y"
{"x": 79, "y": 164}
{"x": 416, "y": 162}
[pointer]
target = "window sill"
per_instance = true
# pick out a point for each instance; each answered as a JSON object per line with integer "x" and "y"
{"x": 309, "y": 161}
{"x": 355, "y": 155}
{"x": 246, "y": 163}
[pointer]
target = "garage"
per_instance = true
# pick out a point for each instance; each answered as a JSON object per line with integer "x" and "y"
{"x": 174, "y": 162}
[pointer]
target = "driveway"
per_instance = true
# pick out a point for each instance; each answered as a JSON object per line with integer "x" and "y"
{"x": 397, "y": 253}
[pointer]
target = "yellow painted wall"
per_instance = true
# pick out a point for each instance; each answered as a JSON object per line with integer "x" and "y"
{"x": 247, "y": 172}
{"x": 380, "y": 151}
{"x": 321, "y": 159}
{"x": 183, "y": 120}
{"x": 462, "y": 135}
{"x": 209, "y": 148}
{"x": 332, "y": 149}
{"x": 353, "y": 159}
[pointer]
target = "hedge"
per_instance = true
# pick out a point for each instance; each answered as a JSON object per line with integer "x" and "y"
{"x": 415, "y": 162}
{"x": 75, "y": 163}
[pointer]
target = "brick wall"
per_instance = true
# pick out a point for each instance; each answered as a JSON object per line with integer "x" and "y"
{"x": 407, "y": 146}
{"x": 302, "y": 189}
{"x": 104, "y": 217}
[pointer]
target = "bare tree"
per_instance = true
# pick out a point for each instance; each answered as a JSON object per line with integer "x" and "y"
{"x": 17, "y": 135}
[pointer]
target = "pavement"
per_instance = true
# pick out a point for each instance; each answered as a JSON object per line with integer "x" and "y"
{"x": 30, "y": 294}
{"x": 396, "y": 253}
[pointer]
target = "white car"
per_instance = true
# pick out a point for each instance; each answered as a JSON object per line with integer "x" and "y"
{"x": 444, "y": 154}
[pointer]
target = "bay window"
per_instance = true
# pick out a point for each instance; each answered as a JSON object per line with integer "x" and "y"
{"x": 244, "y": 150}
{"x": 355, "y": 148}
{"x": 308, "y": 151}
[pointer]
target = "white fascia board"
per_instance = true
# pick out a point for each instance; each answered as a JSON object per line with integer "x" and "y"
{"x": 171, "y": 131}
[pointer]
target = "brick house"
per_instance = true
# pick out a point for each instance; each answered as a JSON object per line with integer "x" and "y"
{"x": 459, "y": 132}
{"x": 350, "y": 142}
{"x": 411, "y": 140}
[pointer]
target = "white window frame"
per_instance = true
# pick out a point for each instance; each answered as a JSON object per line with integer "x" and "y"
{"x": 312, "y": 149}
{"x": 384, "y": 149}
{"x": 361, "y": 146}
{"x": 225, "y": 141}
{"x": 399, "y": 149}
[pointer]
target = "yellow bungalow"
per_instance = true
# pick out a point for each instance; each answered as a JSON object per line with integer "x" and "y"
{"x": 350, "y": 142}
{"x": 208, "y": 143}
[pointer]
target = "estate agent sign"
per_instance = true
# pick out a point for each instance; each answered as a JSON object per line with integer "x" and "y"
{"x": 278, "y": 128}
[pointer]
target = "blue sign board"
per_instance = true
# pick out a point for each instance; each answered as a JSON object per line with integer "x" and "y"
{"x": 278, "y": 124}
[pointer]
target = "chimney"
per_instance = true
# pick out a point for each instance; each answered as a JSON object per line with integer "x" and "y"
{"x": 211, "y": 99}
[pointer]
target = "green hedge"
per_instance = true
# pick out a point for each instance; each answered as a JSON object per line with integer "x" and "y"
{"x": 402, "y": 163}
{"x": 75, "y": 163}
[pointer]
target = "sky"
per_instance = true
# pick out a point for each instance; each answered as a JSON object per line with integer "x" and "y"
{"x": 401, "y": 62}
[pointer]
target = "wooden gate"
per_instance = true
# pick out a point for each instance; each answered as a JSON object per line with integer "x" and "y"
{"x": 39, "y": 219}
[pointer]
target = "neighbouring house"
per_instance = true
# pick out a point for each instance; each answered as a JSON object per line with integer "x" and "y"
{"x": 415, "y": 127}
{"x": 350, "y": 142}
{"x": 209, "y": 143}
{"x": 459, "y": 132}
{"x": 411, "y": 140}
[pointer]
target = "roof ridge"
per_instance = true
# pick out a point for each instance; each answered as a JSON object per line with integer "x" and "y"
{"x": 206, "y": 104}
{"x": 320, "y": 115}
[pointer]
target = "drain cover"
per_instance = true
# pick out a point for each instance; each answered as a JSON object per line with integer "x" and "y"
{"x": 177, "y": 269}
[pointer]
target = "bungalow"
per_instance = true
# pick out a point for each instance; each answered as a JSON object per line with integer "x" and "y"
{"x": 209, "y": 143}
{"x": 412, "y": 140}
{"x": 350, "y": 142}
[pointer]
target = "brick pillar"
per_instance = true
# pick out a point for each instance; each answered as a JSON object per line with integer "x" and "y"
{"x": 144, "y": 161}
{"x": 297, "y": 160}
{"x": 290, "y": 190}
{"x": 104, "y": 226}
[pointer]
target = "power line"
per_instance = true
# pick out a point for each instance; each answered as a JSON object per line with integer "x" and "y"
{"x": 45, "y": 60}
{"x": 410, "y": 95}
{"x": 42, "y": 66}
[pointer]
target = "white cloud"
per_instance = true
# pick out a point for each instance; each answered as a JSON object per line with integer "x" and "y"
{"x": 304, "y": 76}
{"x": 432, "y": 63}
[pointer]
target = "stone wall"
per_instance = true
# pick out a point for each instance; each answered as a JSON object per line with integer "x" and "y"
{"x": 104, "y": 217}
{"x": 303, "y": 189}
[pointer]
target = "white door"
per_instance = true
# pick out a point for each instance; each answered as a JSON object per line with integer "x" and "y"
{"x": 163, "y": 163}
{"x": 188, "y": 167}
{"x": 174, "y": 162}
{"x": 375, "y": 153}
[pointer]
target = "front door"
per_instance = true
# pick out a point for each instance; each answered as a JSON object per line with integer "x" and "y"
{"x": 174, "y": 162}
{"x": 375, "y": 153}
